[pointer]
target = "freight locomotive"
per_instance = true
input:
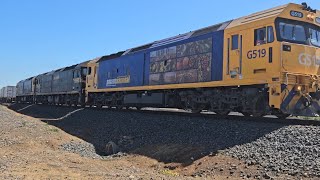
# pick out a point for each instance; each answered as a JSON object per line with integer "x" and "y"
{"x": 264, "y": 63}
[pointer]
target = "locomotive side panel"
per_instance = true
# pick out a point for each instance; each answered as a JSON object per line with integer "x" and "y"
{"x": 125, "y": 71}
{"x": 20, "y": 88}
{"x": 44, "y": 84}
{"x": 196, "y": 60}
{"x": 27, "y": 87}
{"x": 25, "y": 90}
{"x": 62, "y": 82}
{"x": 185, "y": 63}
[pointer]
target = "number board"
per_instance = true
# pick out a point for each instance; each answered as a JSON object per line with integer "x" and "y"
{"x": 253, "y": 54}
{"x": 296, "y": 14}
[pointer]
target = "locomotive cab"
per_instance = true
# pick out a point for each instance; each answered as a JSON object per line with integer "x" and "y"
{"x": 91, "y": 79}
{"x": 298, "y": 33}
{"x": 279, "y": 48}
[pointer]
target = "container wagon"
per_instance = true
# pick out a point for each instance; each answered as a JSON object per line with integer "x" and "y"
{"x": 8, "y": 94}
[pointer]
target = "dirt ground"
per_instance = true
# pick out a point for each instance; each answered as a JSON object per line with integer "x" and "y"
{"x": 31, "y": 149}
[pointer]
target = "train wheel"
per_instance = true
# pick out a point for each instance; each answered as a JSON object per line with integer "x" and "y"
{"x": 281, "y": 115}
{"x": 193, "y": 107}
{"x": 196, "y": 111}
{"x": 223, "y": 109}
{"x": 222, "y": 112}
{"x": 119, "y": 107}
{"x": 246, "y": 114}
{"x": 260, "y": 106}
{"x": 196, "y": 108}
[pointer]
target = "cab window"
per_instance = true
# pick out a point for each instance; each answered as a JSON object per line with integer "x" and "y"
{"x": 315, "y": 36}
{"x": 270, "y": 34}
{"x": 235, "y": 42}
{"x": 260, "y": 36}
{"x": 84, "y": 71}
{"x": 76, "y": 74}
{"x": 292, "y": 32}
{"x": 263, "y": 36}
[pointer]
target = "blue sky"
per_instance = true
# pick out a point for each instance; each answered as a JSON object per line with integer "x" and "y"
{"x": 37, "y": 36}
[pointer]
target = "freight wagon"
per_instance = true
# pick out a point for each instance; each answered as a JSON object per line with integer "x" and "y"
{"x": 8, "y": 94}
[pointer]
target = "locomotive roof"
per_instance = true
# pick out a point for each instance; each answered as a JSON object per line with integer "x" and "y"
{"x": 111, "y": 56}
{"x": 95, "y": 60}
{"x": 180, "y": 37}
{"x": 279, "y": 11}
{"x": 258, "y": 16}
{"x": 70, "y": 67}
{"x": 273, "y": 12}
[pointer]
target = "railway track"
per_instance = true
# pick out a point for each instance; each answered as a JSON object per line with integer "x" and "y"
{"x": 233, "y": 116}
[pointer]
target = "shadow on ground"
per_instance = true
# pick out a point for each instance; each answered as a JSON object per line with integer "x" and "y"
{"x": 166, "y": 138}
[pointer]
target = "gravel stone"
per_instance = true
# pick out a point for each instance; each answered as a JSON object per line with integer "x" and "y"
{"x": 292, "y": 150}
{"x": 83, "y": 149}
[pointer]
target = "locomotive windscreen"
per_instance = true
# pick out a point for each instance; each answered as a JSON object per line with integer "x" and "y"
{"x": 298, "y": 32}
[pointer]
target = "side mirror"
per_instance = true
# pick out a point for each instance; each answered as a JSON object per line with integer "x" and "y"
{"x": 309, "y": 41}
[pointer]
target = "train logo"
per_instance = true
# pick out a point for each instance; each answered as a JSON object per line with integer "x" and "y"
{"x": 308, "y": 60}
{"x": 118, "y": 80}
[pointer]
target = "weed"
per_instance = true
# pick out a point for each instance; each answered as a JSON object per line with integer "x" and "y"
{"x": 169, "y": 173}
{"x": 54, "y": 129}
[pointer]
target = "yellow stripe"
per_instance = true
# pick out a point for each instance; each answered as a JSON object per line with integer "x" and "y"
{"x": 184, "y": 86}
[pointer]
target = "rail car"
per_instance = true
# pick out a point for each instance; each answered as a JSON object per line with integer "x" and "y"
{"x": 264, "y": 63}
{"x": 8, "y": 94}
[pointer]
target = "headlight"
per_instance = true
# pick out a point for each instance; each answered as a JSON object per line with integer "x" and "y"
{"x": 298, "y": 88}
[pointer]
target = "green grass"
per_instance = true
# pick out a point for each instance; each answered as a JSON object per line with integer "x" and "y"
{"x": 169, "y": 173}
{"x": 309, "y": 118}
{"x": 24, "y": 123}
{"x": 52, "y": 128}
